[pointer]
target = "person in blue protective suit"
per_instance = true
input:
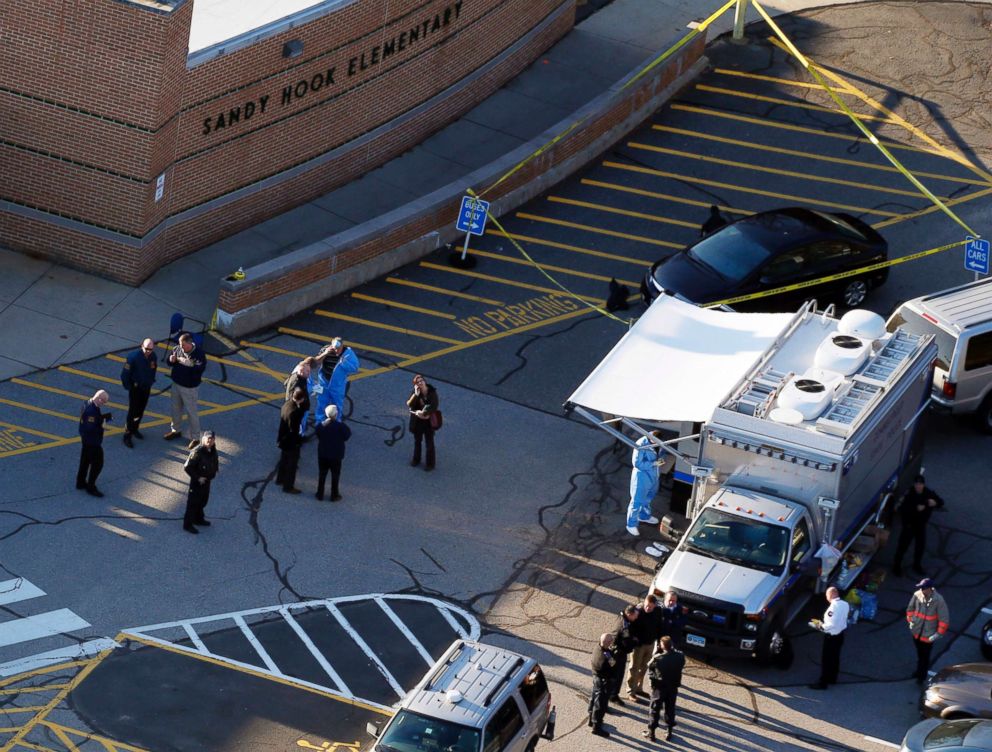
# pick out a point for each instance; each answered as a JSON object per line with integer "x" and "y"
{"x": 644, "y": 480}
{"x": 329, "y": 383}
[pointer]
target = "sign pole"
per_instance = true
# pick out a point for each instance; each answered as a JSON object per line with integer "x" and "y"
{"x": 468, "y": 233}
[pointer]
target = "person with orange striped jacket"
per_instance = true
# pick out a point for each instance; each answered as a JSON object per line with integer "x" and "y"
{"x": 928, "y": 620}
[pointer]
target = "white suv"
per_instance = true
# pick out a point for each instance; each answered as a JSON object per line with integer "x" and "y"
{"x": 476, "y": 698}
{"x": 961, "y": 321}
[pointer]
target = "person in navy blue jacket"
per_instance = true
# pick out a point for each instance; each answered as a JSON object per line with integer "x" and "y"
{"x": 331, "y": 436}
{"x": 188, "y": 363}
{"x": 91, "y": 438}
{"x": 137, "y": 378}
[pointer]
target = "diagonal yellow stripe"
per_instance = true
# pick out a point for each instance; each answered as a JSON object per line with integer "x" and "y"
{"x": 67, "y": 393}
{"x": 623, "y": 212}
{"x": 387, "y": 327}
{"x": 808, "y": 155}
{"x": 933, "y": 208}
{"x": 598, "y": 230}
{"x": 559, "y": 269}
{"x": 791, "y": 198}
{"x": 773, "y": 170}
{"x": 403, "y": 306}
{"x": 787, "y": 102}
{"x": 567, "y": 247}
{"x": 770, "y": 79}
{"x": 663, "y": 196}
{"x": 499, "y": 280}
{"x": 317, "y": 337}
{"x": 31, "y": 431}
{"x": 444, "y": 290}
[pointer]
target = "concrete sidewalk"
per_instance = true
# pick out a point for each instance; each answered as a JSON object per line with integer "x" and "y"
{"x": 50, "y": 315}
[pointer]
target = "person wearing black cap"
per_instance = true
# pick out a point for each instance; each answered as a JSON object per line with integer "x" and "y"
{"x": 201, "y": 466}
{"x": 917, "y": 505}
{"x": 928, "y": 620}
{"x": 713, "y": 222}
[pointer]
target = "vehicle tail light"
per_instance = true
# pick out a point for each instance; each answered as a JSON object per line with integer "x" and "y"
{"x": 758, "y": 616}
{"x": 950, "y": 389}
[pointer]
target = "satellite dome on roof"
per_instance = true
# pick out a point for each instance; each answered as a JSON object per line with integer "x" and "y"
{"x": 862, "y": 324}
{"x": 805, "y": 395}
{"x": 842, "y": 353}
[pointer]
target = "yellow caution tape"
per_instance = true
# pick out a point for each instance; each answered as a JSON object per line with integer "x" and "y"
{"x": 839, "y": 275}
{"x": 640, "y": 74}
{"x": 857, "y": 121}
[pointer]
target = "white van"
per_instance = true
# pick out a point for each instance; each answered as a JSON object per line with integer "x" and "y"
{"x": 961, "y": 321}
{"x": 476, "y": 698}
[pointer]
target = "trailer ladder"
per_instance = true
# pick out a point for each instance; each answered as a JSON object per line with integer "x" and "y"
{"x": 760, "y": 392}
{"x": 897, "y": 350}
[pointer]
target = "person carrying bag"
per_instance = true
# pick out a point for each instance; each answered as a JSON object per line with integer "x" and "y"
{"x": 425, "y": 419}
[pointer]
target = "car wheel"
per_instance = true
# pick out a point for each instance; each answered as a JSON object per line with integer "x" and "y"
{"x": 775, "y": 648}
{"x": 987, "y": 640}
{"x": 983, "y": 415}
{"x": 855, "y": 293}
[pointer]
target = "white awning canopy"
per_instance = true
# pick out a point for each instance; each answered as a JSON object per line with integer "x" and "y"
{"x": 678, "y": 362}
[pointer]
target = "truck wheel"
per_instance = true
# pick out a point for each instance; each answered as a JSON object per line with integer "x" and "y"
{"x": 854, "y": 293}
{"x": 775, "y": 648}
{"x": 983, "y": 415}
{"x": 987, "y": 640}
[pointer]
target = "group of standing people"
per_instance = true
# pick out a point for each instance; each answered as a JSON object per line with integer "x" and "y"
{"x": 315, "y": 396}
{"x": 650, "y": 635}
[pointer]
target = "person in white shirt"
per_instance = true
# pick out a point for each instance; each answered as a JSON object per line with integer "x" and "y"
{"x": 833, "y": 625}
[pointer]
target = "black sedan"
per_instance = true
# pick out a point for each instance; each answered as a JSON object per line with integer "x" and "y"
{"x": 769, "y": 250}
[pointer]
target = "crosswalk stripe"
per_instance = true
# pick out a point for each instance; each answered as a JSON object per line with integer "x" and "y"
{"x": 255, "y": 643}
{"x": 18, "y": 589}
{"x": 194, "y": 637}
{"x": 404, "y": 630}
{"x": 35, "y": 627}
{"x": 346, "y": 626}
{"x": 314, "y": 651}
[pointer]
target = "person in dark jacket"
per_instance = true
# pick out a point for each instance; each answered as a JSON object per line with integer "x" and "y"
{"x": 289, "y": 441}
{"x": 299, "y": 379}
{"x": 188, "y": 363}
{"x": 331, "y": 436}
{"x": 917, "y": 505}
{"x": 713, "y": 222}
{"x": 422, "y": 403}
{"x": 137, "y": 378}
{"x": 646, "y": 629}
{"x": 91, "y": 440}
{"x": 665, "y": 672}
{"x": 624, "y": 642}
{"x": 673, "y": 618}
{"x": 201, "y": 466}
{"x": 604, "y": 663}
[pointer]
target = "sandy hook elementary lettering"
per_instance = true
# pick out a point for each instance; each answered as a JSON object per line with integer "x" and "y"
{"x": 326, "y": 77}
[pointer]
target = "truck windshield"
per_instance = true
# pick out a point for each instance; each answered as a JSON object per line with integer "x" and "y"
{"x": 751, "y": 543}
{"x": 412, "y": 732}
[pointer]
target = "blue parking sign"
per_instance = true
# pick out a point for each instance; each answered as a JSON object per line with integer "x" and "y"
{"x": 472, "y": 215}
{"x": 976, "y": 255}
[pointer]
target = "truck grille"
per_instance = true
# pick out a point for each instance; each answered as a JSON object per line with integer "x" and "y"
{"x": 709, "y": 614}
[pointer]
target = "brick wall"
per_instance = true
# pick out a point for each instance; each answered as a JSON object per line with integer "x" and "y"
{"x": 76, "y": 145}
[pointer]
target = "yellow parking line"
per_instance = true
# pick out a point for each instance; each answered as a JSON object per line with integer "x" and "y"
{"x": 773, "y": 79}
{"x": 503, "y": 281}
{"x": 775, "y": 170}
{"x": 403, "y": 306}
{"x": 708, "y": 112}
{"x": 809, "y": 155}
{"x": 550, "y": 268}
{"x": 444, "y": 290}
{"x": 273, "y": 348}
{"x": 32, "y": 431}
{"x": 789, "y": 103}
{"x": 664, "y": 197}
{"x": 118, "y": 358}
{"x": 315, "y": 337}
{"x": 567, "y": 247}
{"x": 387, "y": 327}
{"x": 67, "y": 393}
{"x": 933, "y": 208}
{"x": 624, "y": 212}
{"x": 109, "y": 744}
{"x": 791, "y": 198}
{"x": 42, "y": 410}
{"x": 259, "y": 368}
{"x": 599, "y": 230}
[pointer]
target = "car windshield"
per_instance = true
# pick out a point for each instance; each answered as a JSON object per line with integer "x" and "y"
{"x": 949, "y": 734}
{"x": 752, "y": 543}
{"x": 412, "y": 732}
{"x": 841, "y": 225}
{"x": 733, "y": 252}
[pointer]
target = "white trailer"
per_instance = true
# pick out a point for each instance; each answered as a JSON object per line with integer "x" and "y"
{"x": 817, "y": 427}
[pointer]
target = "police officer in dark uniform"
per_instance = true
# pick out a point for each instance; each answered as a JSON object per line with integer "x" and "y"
{"x": 604, "y": 663}
{"x": 665, "y": 672}
{"x": 624, "y": 642}
{"x": 917, "y": 505}
{"x": 137, "y": 378}
{"x": 201, "y": 466}
{"x": 91, "y": 438}
{"x": 673, "y": 618}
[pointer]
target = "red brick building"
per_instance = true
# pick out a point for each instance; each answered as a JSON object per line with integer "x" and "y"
{"x": 121, "y": 150}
